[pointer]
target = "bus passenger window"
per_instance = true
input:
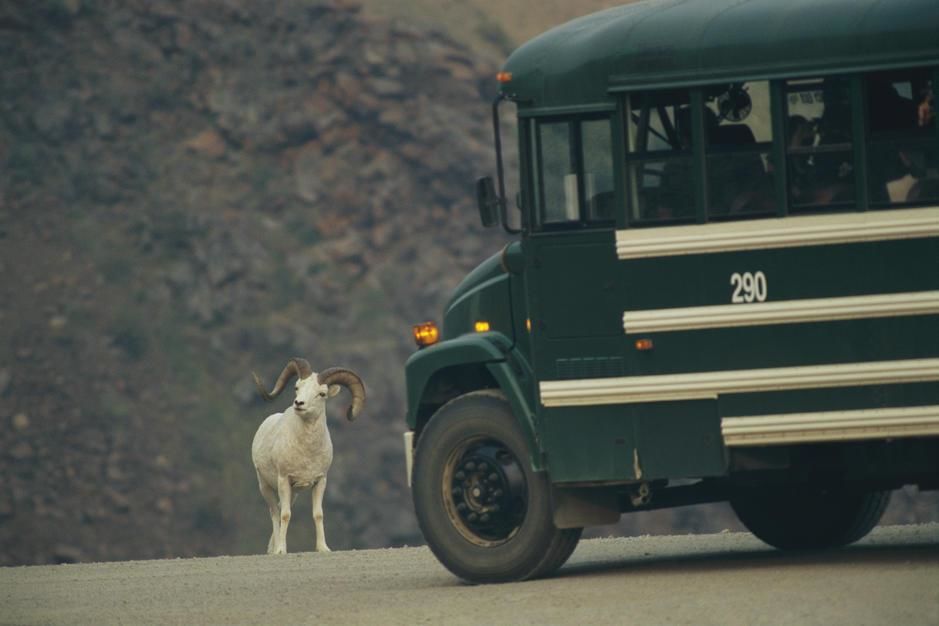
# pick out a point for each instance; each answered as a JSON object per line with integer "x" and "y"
{"x": 903, "y": 165}
{"x": 598, "y": 169}
{"x": 819, "y": 152}
{"x": 659, "y": 157}
{"x": 739, "y": 140}
{"x": 558, "y": 179}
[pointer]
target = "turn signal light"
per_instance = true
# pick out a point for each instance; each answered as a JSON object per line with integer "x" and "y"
{"x": 504, "y": 77}
{"x": 482, "y": 326}
{"x": 426, "y": 334}
{"x": 644, "y": 344}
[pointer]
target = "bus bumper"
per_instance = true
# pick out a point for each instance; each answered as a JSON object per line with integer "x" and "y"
{"x": 409, "y": 453}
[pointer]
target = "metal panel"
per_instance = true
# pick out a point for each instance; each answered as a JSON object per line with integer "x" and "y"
{"x": 882, "y": 423}
{"x": 791, "y": 232}
{"x": 785, "y": 312}
{"x": 705, "y": 385}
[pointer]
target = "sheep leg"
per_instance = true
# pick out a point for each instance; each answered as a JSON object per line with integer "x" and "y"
{"x": 271, "y": 498}
{"x": 318, "y": 490}
{"x": 285, "y": 497}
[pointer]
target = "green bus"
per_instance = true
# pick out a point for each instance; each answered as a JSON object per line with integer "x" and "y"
{"x": 723, "y": 285}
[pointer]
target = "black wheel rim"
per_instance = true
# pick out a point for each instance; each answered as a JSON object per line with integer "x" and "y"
{"x": 485, "y": 492}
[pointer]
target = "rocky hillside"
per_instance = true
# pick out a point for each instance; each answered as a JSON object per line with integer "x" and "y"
{"x": 194, "y": 189}
{"x": 490, "y": 29}
{"x": 191, "y": 190}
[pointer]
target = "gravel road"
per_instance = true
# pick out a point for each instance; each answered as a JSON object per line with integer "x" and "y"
{"x": 892, "y": 577}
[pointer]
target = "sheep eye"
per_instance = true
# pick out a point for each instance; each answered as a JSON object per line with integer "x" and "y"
{"x": 322, "y": 395}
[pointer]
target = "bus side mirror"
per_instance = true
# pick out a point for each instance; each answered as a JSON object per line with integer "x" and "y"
{"x": 488, "y": 201}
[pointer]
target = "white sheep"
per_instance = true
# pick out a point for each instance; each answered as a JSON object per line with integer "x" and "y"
{"x": 292, "y": 450}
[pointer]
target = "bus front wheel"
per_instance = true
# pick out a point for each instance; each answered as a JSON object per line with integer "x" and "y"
{"x": 809, "y": 518}
{"x": 485, "y": 514}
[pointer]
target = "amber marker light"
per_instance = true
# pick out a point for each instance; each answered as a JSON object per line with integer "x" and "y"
{"x": 528, "y": 324}
{"x": 482, "y": 326}
{"x": 504, "y": 77}
{"x": 426, "y": 334}
{"x": 643, "y": 344}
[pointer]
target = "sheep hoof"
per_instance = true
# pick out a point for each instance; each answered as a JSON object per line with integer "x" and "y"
{"x": 323, "y": 548}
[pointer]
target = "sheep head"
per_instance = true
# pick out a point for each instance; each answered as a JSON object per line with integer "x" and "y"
{"x": 312, "y": 391}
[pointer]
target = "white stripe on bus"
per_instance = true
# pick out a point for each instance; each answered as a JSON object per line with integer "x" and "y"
{"x": 709, "y": 385}
{"x": 784, "y": 312}
{"x": 762, "y": 430}
{"x": 788, "y": 232}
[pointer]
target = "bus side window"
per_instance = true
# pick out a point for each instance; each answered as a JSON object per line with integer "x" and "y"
{"x": 819, "y": 143}
{"x": 739, "y": 141}
{"x": 659, "y": 157}
{"x": 902, "y": 161}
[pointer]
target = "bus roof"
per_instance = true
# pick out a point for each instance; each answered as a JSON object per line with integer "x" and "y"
{"x": 669, "y": 43}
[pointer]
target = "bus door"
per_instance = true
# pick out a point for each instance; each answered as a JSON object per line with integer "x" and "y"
{"x": 577, "y": 291}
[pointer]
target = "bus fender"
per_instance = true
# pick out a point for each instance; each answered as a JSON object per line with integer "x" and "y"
{"x": 509, "y": 384}
{"x": 494, "y": 352}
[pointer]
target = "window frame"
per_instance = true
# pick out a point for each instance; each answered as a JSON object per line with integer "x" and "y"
{"x": 856, "y": 147}
{"x": 629, "y": 155}
{"x": 757, "y": 148}
{"x": 877, "y": 139}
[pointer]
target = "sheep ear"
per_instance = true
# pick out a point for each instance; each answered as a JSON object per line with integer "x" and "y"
{"x": 333, "y": 390}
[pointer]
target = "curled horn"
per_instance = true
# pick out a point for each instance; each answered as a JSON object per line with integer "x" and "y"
{"x": 351, "y": 381}
{"x": 295, "y": 367}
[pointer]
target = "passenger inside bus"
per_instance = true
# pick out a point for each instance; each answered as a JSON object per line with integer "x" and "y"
{"x": 739, "y": 181}
{"x": 660, "y": 157}
{"x": 674, "y": 198}
{"x": 820, "y": 156}
{"x": 903, "y": 161}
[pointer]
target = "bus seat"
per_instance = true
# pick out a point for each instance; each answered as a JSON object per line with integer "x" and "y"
{"x": 923, "y": 190}
{"x": 731, "y": 135}
{"x": 602, "y": 205}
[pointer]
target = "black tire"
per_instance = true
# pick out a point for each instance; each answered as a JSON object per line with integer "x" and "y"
{"x": 472, "y": 461}
{"x": 809, "y": 519}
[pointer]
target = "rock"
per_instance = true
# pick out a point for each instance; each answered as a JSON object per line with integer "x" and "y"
{"x": 72, "y": 6}
{"x": 120, "y": 502}
{"x": 209, "y": 143}
{"x": 103, "y": 124}
{"x": 65, "y": 553}
{"x": 58, "y": 322}
{"x": 6, "y": 505}
{"x": 54, "y": 119}
{"x": 385, "y": 86}
{"x": 20, "y": 422}
{"x": 307, "y": 183}
{"x": 21, "y": 451}
{"x": 245, "y": 391}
